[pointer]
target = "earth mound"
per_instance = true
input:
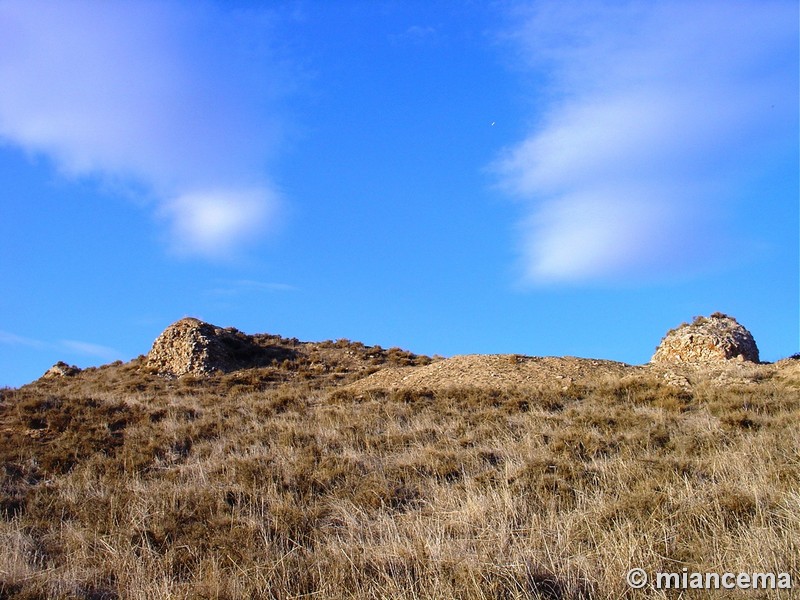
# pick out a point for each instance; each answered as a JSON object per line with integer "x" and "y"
{"x": 492, "y": 371}
{"x": 193, "y": 347}
{"x": 715, "y": 339}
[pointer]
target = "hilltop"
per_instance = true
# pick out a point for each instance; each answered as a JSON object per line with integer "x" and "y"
{"x": 230, "y": 465}
{"x": 715, "y": 350}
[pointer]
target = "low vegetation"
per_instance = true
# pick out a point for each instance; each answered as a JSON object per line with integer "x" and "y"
{"x": 279, "y": 483}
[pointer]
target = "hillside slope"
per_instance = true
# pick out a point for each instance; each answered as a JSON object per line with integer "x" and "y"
{"x": 338, "y": 470}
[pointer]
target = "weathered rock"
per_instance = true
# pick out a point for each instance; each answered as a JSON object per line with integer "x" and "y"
{"x": 713, "y": 339}
{"x": 61, "y": 369}
{"x": 191, "y": 346}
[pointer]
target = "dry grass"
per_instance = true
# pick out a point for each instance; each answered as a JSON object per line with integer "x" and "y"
{"x": 267, "y": 484}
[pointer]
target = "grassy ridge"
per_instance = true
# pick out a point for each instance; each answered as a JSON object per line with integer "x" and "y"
{"x": 230, "y": 488}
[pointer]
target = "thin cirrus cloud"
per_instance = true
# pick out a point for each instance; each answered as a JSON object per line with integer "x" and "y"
{"x": 651, "y": 114}
{"x": 244, "y": 286}
{"x": 12, "y": 339}
{"x": 178, "y": 99}
{"x": 415, "y": 34}
{"x": 79, "y": 347}
{"x": 90, "y": 349}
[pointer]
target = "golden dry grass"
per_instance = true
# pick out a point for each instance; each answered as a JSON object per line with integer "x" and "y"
{"x": 117, "y": 484}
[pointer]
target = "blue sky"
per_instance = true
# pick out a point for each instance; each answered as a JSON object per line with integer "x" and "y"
{"x": 544, "y": 178}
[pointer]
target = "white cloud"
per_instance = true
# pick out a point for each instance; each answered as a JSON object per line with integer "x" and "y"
{"x": 215, "y": 223}
{"x": 651, "y": 114}
{"x": 181, "y": 99}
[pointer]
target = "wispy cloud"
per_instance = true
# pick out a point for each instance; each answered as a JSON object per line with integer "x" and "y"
{"x": 650, "y": 115}
{"x": 12, "y": 339}
{"x": 90, "y": 349}
{"x": 179, "y": 99}
{"x": 73, "y": 346}
{"x": 242, "y": 286}
{"x": 415, "y": 34}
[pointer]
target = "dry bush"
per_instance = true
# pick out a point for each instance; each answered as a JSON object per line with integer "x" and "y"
{"x": 259, "y": 485}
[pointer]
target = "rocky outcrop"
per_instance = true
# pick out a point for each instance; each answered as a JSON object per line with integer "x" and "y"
{"x": 193, "y": 347}
{"x": 713, "y": 339}
{"x": 61, "y": 369}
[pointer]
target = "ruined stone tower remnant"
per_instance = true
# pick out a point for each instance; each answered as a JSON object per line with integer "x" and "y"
{"x": 193, "y": 347}
{"x": 713, "y": 339}
{"x": 185, "y": 347}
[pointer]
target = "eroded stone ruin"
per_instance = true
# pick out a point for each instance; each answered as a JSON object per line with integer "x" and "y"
{"x": 713, "y": 339}
{"x": 193, "y": 347}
